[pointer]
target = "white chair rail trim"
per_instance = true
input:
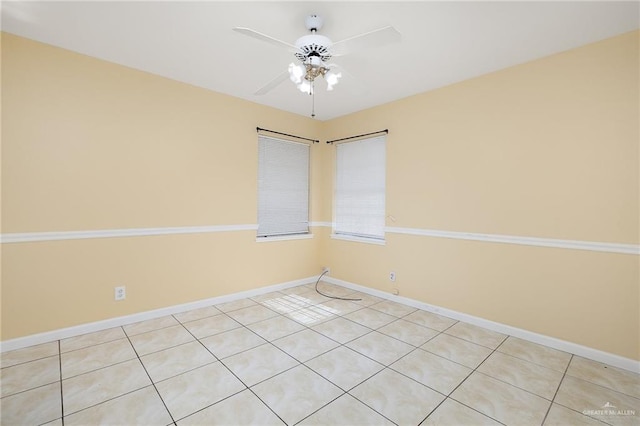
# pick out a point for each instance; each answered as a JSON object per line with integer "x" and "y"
{"x": 527, "y": 241}
{"x": 27, "y": 237}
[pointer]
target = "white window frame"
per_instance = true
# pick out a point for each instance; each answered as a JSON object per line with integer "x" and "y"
{"x": 275, "y": 179}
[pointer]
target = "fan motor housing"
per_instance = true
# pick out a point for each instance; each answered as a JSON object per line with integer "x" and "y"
{"x": 313, "y": 45}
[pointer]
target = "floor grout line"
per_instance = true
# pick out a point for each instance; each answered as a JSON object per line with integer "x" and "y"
{"x": 151, "y": 380}
{"x": 557, "y": 389}
{"x": 61, "y": 390}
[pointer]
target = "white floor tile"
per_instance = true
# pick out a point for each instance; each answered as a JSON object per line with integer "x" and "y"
{"x": 241, "y": 409}
{"x": 408, "y": 404}
{"x": 296, "y": 393}
{"x": 194, "y": 390}
{"x": 143, "y": 406}
{"x": 258, "y": 364}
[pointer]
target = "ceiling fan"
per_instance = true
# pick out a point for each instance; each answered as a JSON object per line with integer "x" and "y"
{"x": 314, "y": 51}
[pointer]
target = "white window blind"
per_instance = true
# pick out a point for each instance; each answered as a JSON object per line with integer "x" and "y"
{"x": 283, "y": 187}
{"x": 360, "y": 188}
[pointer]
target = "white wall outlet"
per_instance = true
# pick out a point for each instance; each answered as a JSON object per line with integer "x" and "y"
{"x": 120, "y": 293}
{"x": 326, "y": 269}
{"x": 392, "y": 276}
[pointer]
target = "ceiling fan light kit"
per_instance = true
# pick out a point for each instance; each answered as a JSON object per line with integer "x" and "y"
{"x": 303, "y": 74}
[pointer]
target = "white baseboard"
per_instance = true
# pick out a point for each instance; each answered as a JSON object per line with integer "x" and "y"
{"x": 552, "y": 342}
{"x": 63, "y": 333}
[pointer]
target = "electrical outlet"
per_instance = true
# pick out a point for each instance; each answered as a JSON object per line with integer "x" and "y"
{"x": 120, "y": 293}
{"x": 392, "y": 276}
{"x": 326, "y": 269}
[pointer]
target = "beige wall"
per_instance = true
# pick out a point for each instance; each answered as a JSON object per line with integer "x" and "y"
{"x": 90, "y": 145}
{"x": 545, "y": 149}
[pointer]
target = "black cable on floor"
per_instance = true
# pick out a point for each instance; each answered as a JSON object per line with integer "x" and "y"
{"x": 331, "y": 297}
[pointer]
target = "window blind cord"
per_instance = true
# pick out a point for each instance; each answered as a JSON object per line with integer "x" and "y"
{"x": 331, "y": 297}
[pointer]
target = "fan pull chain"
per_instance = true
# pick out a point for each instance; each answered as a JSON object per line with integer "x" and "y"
{"x": 313, "y": 98}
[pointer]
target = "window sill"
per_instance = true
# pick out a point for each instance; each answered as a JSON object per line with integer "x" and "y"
{"x": 358, "y": 239}
{"x": 284, "y": 238}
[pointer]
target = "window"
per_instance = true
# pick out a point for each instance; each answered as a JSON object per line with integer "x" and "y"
{"x": 283, "y": 187}
{"x": 360, "y": 189}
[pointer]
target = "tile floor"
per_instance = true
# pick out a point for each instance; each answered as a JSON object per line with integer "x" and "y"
{"x": 296, "y": 357}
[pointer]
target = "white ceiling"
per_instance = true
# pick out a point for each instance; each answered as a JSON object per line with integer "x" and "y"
{"x": 442, "y": 42}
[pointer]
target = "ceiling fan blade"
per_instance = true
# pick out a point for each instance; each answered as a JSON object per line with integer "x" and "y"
{"x": 255, "y": 34}
{"x": 272, "y": 84}
{"x": 375, "y": 38}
